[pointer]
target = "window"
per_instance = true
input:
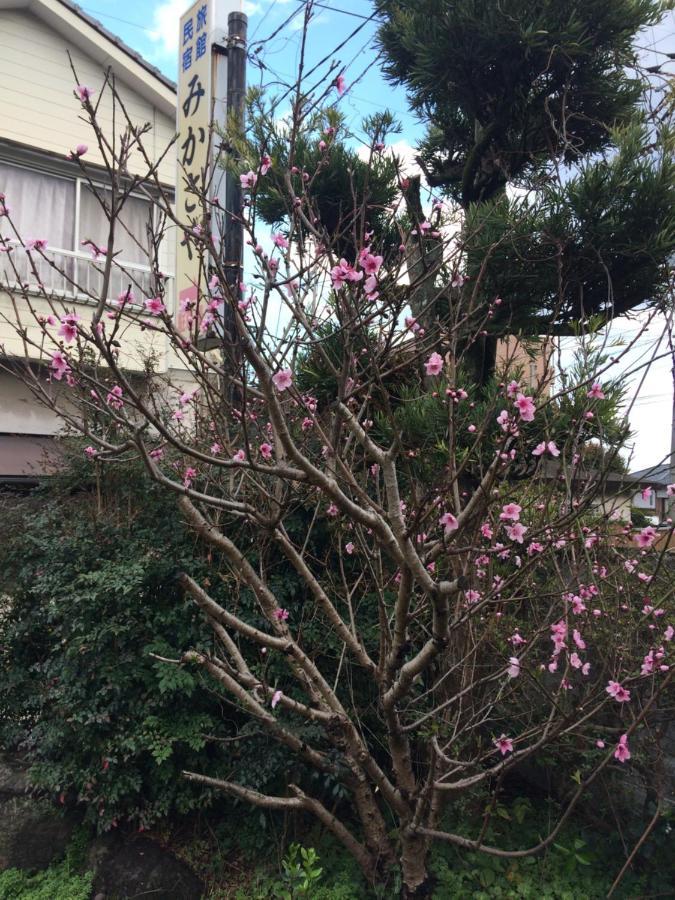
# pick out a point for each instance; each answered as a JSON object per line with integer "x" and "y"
{"x": 66, "y": 211}
{"x": 131, "y": 230}
{"x": 41, "y": 206}
{"x": 533, "y": 374}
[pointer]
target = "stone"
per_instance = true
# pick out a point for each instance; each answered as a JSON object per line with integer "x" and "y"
{"x": 33, "y": 832}
{"x": 129, "y": 866}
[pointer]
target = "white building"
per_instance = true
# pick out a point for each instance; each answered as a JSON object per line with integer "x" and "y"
{"x": 40, "y": 122}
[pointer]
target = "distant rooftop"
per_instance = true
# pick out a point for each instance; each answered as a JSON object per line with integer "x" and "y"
{"x": 660, "y": 474}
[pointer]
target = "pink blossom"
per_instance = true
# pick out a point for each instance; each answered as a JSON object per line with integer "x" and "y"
{"x": 341, "y": 85}
{"x": 59, "y": 365}
{"x": 622, "y": 753}
{"x": 600, "y": 745}
{"x": 511, "y": 512}
{"x": 188, "y": 475}
{"x": 516, "y": 532}
{"x": 646, "y": 537}
{"x": 648, "y": 664}
{"x": 114, "y": 397}
{"x": 349, "y": 548}
{"x": 344, "y": 272}
{"x": 578, "y": 640}
{"x": 370, "y": 263}
{"x": 157, "y": 453}
{"x": 670, "y": 490}
{"x": 155, "y": 306}
{"x": 472, "y": 596}
{"x": 646, "y": 493}
{"x": 545, "y": 446}
{"x": 525, "y": 406}
{"x": 36, "y": 244}
{"x": 266, "y": 450}
{"x": 265, "y": 163}
{"x": 276, "y": 697}
{"x": 504, "y": 745}
{"x": 668, "y": 633}
{"x": 125, "y": 297}
{"x": 434, "y": 365}
{"x": 618, "y": 692}
{"x": 370, "y": 287}
{"x": 281, "y": 614}
{"x": 512, "y": 389}
{"x": 248, "y": 180}
{"x": 516, "y": 639}
{"x": 215, "y": 448}
{"x": 503, "y": 420}
{"x": 239, "y": 456}
{"x": 486, "y": 530}
{"x": 83, "y": 92}
{"x": 96, "y": 251}
{"x": 90, "y": 452}
{"x": 68, "y": 329}
{"x": 283, "y": 379}
{"x": 578, "y": 605}
{"x": 449, "y": 522}
{"x": 279, "y": 241}
{"x": 513, "y": 670}
{"x": 596, "y": 392}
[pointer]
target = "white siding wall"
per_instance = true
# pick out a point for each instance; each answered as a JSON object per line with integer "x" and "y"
{"x": 38, "y": 110}
{"x": 37, "y": 106}
{"x": 19, "y": 411}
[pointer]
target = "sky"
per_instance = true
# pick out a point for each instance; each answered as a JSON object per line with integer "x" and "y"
{"x": 275, "y": 26}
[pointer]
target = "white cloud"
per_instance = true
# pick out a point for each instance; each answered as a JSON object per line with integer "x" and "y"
{"x": 298, "y": 23}
{"x": 165, "y": 19}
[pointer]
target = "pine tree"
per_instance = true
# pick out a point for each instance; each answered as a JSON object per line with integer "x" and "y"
{"x": 537, "y": 128}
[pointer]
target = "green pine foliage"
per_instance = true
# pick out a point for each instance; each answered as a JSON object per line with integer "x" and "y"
{"x": 319, "y": 157}
{"x": 546, "y": 99}
{"x": 506, "y": 86}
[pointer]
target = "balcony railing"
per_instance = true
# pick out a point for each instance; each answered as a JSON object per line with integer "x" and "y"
{"x": 77, "y": 276}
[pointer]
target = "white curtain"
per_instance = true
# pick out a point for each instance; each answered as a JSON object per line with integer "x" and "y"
{"x": 41, "y": 206}
{"x": 131, "y": 231}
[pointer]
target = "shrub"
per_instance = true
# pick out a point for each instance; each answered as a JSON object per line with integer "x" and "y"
{"x": 91, "y": 578}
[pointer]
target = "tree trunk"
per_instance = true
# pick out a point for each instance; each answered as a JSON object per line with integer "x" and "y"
{"x": 417, "y": 882}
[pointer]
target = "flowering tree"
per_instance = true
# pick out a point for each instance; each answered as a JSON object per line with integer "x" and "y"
{"x": 469, "y": 601}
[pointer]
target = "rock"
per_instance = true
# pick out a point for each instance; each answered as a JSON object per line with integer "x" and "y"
{"x": 33, "y": 832}
{"x": 128, "y": 866}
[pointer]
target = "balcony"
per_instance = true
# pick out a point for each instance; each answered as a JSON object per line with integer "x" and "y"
{"x": 75, "y": 276}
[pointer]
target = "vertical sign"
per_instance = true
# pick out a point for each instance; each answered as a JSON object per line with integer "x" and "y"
{"x": 201, "y": 27}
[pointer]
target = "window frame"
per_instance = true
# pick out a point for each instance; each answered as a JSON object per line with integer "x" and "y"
{"x": 50, "y": 167}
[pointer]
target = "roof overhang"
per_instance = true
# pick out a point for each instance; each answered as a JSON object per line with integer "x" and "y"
{"x": 78, "y": 28}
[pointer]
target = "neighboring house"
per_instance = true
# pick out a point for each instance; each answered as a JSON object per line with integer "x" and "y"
{"x": 40, "y": 122}
{"x": 656, "y": 479}
{"x": 533, "y": 359}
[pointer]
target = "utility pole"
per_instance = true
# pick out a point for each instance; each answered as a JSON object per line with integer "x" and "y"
{"x": 232, "y": 247}
{"x": 670, "y": 501}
